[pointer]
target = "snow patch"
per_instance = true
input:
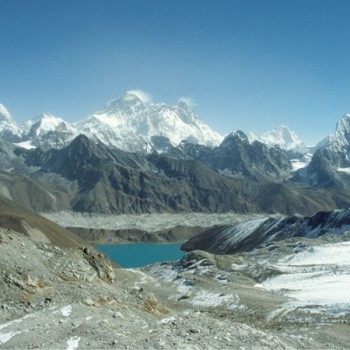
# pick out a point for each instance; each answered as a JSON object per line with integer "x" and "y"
{"x": 144, "y": 278}
{"x": 8, "y": 324}
{"x": 297, "y": 164}
{"x": 167, "y": 320}
{"x": 25, "y": 144}
{"x": 5, "y": 337}
{"x": 317, "y": 276}
{"x": 66, "y": 310}
{"x": 209, "y": 299}
{"x": 73, "y": 343}
{"x": 344, "y": 170}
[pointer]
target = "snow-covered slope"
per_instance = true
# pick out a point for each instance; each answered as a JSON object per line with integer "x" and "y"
{"x": 177, "y": 123}
{"x": 129, "y": 124}
{"x": 317, "y": 277}
{"x": 299, "y": 154}
{"x": 340, "y": 140}
{"x": 248, "y": 235}
{"x": 48, "y": 131}
{"x": 330, "y": 163}
{"x": 114, "y": 124}
{"x": 281, "y": 136}
{"x": 8, "y": 127}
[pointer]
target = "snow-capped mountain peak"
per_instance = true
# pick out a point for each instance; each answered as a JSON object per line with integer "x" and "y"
{"x": 47, "y": 122}
{"x": 8, "y": 127}
{"x": 339, "y": 141}
{"x": 130, "y": 103}
{"x": 341, "y": 138}
{"x": 48, "y": 131}
{"x": 4, "y": 113}
{"x": 131, "y": 121}
{"x": 233, "y": 137}
{"x": 281, "y": 136}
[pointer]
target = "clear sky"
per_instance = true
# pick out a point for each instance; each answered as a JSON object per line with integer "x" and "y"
{"x": 246, "y": 64}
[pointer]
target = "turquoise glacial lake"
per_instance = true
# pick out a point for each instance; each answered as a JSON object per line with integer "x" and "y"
{"x": 141, "y": 254}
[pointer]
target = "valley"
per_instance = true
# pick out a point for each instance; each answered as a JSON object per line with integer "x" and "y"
{"x": 164, "y": 227}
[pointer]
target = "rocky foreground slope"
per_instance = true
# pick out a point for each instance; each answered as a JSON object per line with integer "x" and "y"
{"x": 74, "y": 298}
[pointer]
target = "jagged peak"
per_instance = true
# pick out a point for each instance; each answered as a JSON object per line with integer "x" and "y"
{"x": 343, "y": 125}
{"x": 281, "y": 135}
{"x": 186, "y": 103}
{"x": 233, "y": 136}
{"x": 47, "y": 121}
{"x": 241, "y": 135}
{"x": 80, "y": 139}
{"x": 45, "y": 117}
{"x": 4, "y": 113}
{"x": 341, "y": 137}
{"x": 82, "y": 145}
{"x": 131, "y": 101}
{"x": 284, "y": 133}
{"x": 8, "y": 127}
{"x": 142, "y": 96}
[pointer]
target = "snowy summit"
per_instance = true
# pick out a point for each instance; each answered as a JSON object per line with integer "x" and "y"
{"x": 8, "y": 127}
{"x": 131, "y": 121}
{"x": 281, "y": 136}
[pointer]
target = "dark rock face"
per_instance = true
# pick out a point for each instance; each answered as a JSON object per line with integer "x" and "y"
{"x": 111, "y": 180}
{"x": 323, "y": 171}
{"x": 108, "y": 180}
{"x": 249, "y": 235}
{"x": 236, "y": 157}
{"x": 330, "y": 163}
{"x": 256, "y": 161}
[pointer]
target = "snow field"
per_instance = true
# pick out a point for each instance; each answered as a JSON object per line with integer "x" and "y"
{"x": 317, "y": 276}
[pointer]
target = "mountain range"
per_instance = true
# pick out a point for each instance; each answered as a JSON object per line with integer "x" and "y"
{"x": 86, "y": 176}
{"x": 126, "y": 123}
{"x": 130, "y": 123}
{"x": 132, "y": 156}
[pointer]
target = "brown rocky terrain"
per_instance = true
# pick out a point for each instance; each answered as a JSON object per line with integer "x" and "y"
{"x": 56, "y": 297}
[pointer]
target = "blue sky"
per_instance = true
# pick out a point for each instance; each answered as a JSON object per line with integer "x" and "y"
{"x": 247, "y": 64}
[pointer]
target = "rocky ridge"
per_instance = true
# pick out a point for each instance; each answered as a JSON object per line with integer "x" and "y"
{"x": 329, "y": 166}
{"x": 8, "y": 127}
{"x": 246, "y": 236}
{"x": 108, "y": 180}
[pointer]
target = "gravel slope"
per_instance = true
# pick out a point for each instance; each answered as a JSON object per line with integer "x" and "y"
{"x": 58, "y": 298}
